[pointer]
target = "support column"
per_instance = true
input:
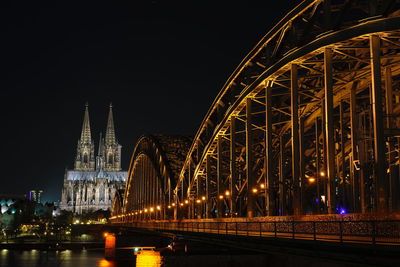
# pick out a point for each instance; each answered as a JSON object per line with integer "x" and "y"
{"x": 220, "y": 201}
{"x": 393, "y": 172}
{"x": 317, "y": 166}
{"x": 199, "y": 205}
{"x": 330, "y": 143}
{"x": 344, "y": 189}
{"x": 207, "y": 185}
{"x": 302, "y": 165}
{"x": 282, "y": 181}
{"x": 269, "y": 179}
{"x": 357, "y": 186}
{"x": 251, "y": 197}
{"x": 233, "y": 180}
{"x": 381, "y": 183}
{"x": 295, "y": 140}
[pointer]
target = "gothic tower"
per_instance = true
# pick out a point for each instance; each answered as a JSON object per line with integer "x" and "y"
{"x": 111, "y": 149}
{"x": 85, "y": 160}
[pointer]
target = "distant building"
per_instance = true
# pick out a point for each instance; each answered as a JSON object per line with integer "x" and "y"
{"x": 35, "y": 195}
{"x": 92, "y": 184}
{"x": 7, "y": 201}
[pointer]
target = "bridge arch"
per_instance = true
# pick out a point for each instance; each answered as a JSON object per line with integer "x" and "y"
{"x": 301, "y": 127}
{"x": 152, "y": 175}
{"x": 308, "y": 123}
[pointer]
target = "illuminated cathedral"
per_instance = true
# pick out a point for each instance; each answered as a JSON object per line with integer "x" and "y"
{"x": 92, "y": 184}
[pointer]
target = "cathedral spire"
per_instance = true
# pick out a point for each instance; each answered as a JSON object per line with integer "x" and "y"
{"x": 100, "y": 154}
{"x": 86, "y": 137}
{"x": 110, "y": 132}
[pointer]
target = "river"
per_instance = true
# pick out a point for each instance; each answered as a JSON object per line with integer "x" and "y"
{"x": 89, "y": 258}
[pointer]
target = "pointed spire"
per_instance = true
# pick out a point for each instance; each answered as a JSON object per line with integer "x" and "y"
{"x": 110, "y": 132}
{"x": 86, "y": 137}
{"x": 100, "y": 152}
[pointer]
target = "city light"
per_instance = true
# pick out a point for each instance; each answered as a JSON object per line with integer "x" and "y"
{"x": 227, "y": 193}
{"x": 221, "y": 196}
{"x": 262, "y": 186}
{"x": 181, "y": 204}
{"x": 311, "y": 179}
{"x": 203, "y": 198}
{"x": 255, "y": 190}
{"x": 173, "y": 204}
{"x": 146, "y": 210}
{"x": 169, "y": 206}
{"x": 198, "y": 201}
{"x": 105, "y": 234}
{"x": 151, "y": 209}
{"x": 186, "y": 201}
{"x": 158, "y": 207}
{"x": 322, "y": 174}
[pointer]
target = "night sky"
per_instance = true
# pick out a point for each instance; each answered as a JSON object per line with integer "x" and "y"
{"x": 160, "y": 64}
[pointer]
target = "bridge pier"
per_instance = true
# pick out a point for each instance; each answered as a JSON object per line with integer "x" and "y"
{"x": 110, "y": 246}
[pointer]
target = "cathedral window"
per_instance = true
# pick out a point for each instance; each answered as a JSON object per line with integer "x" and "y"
{"x": 101, "y": 193}
{"x": 109, "y": 158}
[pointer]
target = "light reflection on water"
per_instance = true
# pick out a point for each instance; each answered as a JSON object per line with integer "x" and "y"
{"x": 37, "y": 258}
{"x": 95, "y": 258}
{"x": 148, "y": 259}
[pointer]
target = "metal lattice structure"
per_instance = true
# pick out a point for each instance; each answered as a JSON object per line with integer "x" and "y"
{"x": 308, "y": 123}
{"x": 153, "y": 173}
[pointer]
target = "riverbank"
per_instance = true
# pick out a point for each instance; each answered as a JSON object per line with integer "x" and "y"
{"x": 52, "y": 245}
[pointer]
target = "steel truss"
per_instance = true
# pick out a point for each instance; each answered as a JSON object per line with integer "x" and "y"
{"x": 307, "y": 124}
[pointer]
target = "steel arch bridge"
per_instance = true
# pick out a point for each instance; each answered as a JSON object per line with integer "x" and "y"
{"x": 308, "y": 123}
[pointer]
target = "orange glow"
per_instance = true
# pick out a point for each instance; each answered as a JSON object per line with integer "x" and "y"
{"x": 148, "y": 258}
{"x": 221, "y": 196}
{"x": 181, "y": 204}
{"x": 109, "y": 251}
{"x": 146, "y": 210}
{"x": 169, "y": 206}
{"x": 255, "y": 190}
{"x": 151, "y": 209}
{"x": 186, "y": 201}
{"x": 105, "y": 234}
{"x": 262, "y": 186}
{"x": 311, "y": 179}
{"x": 322, "y": 174}
{"x": 198, "y": 201}
{"x": 173, "y": 204}
{"x": 158, "y": 207}
{"x": 106, "y": 263}
{"x": 227, "y": 193}
{"x": 203, "y": 198}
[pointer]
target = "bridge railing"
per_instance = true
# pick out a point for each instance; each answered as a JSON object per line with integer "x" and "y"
{"x": 385, "y": 232}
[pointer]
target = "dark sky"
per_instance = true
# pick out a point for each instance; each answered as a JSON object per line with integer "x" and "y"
{"x": 160, "y": 64}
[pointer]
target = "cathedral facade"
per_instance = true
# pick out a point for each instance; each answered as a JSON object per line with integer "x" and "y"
{"x": 92, "y": 184}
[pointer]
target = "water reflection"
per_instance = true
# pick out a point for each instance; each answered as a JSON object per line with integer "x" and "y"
{"x": 148, "y": 258}
{"x": 106, "y": 263}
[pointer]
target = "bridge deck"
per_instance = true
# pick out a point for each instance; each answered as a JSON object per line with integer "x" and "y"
{"x": 373, "y": 232}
